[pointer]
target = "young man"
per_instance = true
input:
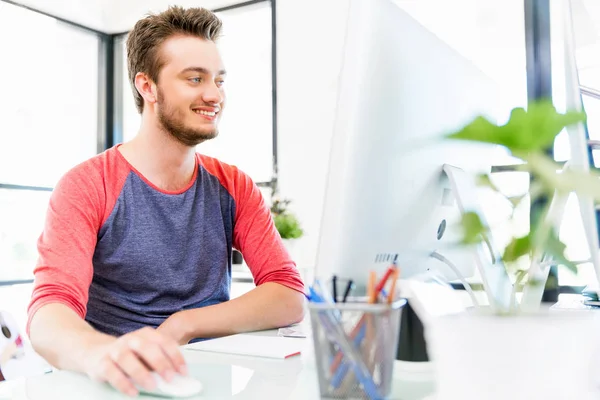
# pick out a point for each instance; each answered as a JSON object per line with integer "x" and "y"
{"x": 135, "y": 255}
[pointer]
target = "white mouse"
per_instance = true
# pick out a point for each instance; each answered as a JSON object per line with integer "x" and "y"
{"x": 180, "y": 386}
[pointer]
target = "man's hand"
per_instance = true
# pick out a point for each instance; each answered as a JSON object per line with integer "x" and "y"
{"x": 176, "y": 327}
{"x": 129, "y": 360}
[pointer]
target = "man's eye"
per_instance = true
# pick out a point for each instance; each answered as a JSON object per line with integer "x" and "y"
{"x": 195, "y": 80}
{"x": 220, "y": 83}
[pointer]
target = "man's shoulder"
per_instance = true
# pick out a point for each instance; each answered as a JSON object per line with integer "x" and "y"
{"x": 91, "y": 171}
{"x": 230, "y": 176}
{"x": 220, "y": 168}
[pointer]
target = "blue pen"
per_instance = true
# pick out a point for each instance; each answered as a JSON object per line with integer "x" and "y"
{"x": 334, "y": 329}
{"x": 342, "y": 370}
{"x": 325, "y": 297}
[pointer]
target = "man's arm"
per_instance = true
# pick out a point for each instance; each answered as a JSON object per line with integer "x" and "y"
{"x": 268, "y": 306}
{"x": 63, "y": 276}
{"x": 67, "y": 342}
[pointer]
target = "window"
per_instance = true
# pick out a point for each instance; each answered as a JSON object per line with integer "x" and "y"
{"x": 588, "y": 62}
{"x": 48, "y": 123}
{"x": 246, "y": 131}
{"x": 22, "y": 215}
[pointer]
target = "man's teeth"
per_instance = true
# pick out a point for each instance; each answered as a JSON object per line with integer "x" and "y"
{"x": 209, "y": 113}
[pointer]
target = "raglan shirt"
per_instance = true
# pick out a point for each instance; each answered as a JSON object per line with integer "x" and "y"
{"x": 124, "y": 254}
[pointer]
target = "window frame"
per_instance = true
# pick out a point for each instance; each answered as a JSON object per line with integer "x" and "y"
{"x": 110, "y": 87}
{"x": 100, "y": 134}
{"x": 115, "y": 132}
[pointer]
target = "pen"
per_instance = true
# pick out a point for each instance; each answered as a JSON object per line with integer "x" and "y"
{"x": 372, "y": 294}
{"x": 334, "y": 284}
{"x": 347, "y": 291}
{"x": 331, "y": 324}
{"x": 385, "y": 278}
{"x": 341, "y": 372}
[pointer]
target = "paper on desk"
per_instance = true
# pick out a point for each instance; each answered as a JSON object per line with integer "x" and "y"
{"x": 291, "y": 331}
{"x": 251, "y": 345}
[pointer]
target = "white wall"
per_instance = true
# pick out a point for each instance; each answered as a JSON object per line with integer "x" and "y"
{"x": 310, "y": 36}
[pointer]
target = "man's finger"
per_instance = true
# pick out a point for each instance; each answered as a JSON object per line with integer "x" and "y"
{"x": 170, "y": 348}
{"x": 133, "y": 367}
{"x": 117, "y": 379}
{"x": 152, "y": 354}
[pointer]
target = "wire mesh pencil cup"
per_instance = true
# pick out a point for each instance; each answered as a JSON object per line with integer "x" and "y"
{"x": 355, "y": 347}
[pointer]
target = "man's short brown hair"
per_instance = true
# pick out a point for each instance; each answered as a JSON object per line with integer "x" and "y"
{"x": 151, "y": 32}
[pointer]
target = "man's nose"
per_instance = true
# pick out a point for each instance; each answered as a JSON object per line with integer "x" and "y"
{"x": 213, "y": 94}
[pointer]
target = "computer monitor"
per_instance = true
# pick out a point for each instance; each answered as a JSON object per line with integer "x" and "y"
{"x": 401, "y": 89}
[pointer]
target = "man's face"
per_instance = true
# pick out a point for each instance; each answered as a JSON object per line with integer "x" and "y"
{"x": 190, "y": 92}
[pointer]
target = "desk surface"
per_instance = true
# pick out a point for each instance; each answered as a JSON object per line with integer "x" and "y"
{"x": 223, "y": 376}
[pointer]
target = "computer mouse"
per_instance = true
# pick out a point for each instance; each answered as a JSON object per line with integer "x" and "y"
{"x": 181, "y": 386}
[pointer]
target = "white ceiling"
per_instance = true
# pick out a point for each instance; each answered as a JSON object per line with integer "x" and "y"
{"x": 113, "y": 16}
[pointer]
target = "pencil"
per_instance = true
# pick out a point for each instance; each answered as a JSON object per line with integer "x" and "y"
{"x": 371, "y": 290}
{"x": 370, "y": 341}
{"x": 394, "y": 278}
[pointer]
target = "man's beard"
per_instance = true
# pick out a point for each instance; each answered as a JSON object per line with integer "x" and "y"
{"x": 172, "y": 121}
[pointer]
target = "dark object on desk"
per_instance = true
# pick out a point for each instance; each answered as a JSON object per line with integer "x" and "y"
{"x": 411, "y": 342}
{"x": 551, "y": 290}
{"x": 237, "y": 257}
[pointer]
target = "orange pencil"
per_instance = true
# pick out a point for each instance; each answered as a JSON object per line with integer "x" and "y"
{"x": 371, "y": 290}
{"x": 392, "y": 293}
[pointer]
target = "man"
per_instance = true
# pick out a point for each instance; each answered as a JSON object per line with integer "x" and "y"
{"x": 140, "y": 237}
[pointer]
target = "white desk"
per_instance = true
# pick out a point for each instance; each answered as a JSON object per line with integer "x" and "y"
{"x": 224, "y": 377}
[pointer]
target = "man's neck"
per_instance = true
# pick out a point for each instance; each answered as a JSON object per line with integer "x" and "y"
{"x": 160, "y": 158}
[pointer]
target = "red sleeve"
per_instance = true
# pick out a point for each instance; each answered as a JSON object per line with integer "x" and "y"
{"x": 254, "y": 233}
{"x": 76, "y": 211}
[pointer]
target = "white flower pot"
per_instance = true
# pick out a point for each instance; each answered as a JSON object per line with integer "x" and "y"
{"x": 547, "y": 355}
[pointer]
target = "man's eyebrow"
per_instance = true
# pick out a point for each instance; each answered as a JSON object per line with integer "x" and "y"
{"x": 202, "y": 70}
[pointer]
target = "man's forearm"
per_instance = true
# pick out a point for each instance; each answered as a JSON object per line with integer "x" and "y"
{"x": 62, "y": 337}
{"x": 268, "y": 306}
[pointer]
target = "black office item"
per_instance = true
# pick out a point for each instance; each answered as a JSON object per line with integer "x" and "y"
{"x": 347, "y": 291}
{"x": 411, "y": 342}
{"x": 334, "y": 284}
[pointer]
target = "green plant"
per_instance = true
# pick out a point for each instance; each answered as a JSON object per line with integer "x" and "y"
{"x": 288, "y": 226}
{"x": 527, "y": 135}
{"x": 286, "y": 222}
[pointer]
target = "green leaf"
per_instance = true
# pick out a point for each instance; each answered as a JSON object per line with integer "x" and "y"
{"x": 557, "y": 249}
{"x": 517, "y": 248}
{"x": 586, "y": 183}
{"x": 525, "y": 131}
{"x": 472, "y": 228}
{"x": 520, "y": 275}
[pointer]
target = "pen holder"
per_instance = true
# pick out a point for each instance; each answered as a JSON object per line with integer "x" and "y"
{"x": 355, "y": 347}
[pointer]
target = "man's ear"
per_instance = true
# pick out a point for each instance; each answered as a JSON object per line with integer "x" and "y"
{"x": 146, "y": 87}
